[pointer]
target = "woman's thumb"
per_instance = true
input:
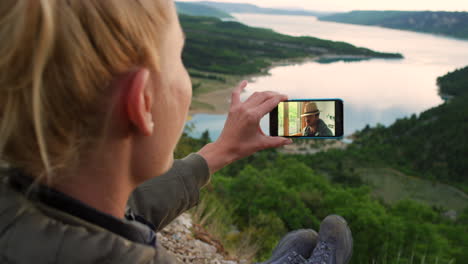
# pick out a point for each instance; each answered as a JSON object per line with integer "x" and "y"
{"x": 274, "y": 142}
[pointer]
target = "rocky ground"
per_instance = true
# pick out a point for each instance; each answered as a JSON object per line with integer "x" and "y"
{"x": 191, "y": 243}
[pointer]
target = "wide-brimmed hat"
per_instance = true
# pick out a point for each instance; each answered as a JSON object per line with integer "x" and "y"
{"x": 310, "y": 109}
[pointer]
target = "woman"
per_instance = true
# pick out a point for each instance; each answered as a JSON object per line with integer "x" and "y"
{"x": 93, "y": 99}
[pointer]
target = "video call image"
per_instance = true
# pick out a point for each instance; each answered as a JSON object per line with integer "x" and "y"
{"x": 306, "y": 119}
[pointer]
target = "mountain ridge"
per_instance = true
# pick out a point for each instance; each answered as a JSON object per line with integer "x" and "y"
{"x": 251, "y": 8}
{"x": 452, "y": 24}
{"x": 197, "y": 9}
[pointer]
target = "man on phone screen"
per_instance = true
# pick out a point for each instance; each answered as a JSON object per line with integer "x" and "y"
{"x": 316, "y": 127}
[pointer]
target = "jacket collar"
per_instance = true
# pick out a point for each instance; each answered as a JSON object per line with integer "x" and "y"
{"x": 134, "y": 228}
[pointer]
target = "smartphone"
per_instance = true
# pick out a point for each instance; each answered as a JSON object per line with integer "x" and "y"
{"x": 308, "y": 118}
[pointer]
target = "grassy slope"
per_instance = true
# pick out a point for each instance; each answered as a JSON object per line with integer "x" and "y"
{"x": 444, "y": 23}
{"x": 393, "y": 186}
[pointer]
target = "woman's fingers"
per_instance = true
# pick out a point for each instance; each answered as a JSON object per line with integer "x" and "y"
{"x": 275, "y": 142}
{"x": 242, "y": 135}
{"x": 235, "y": 99}
{"x": 258, "y": 98}
{"x": 267, "y": 106}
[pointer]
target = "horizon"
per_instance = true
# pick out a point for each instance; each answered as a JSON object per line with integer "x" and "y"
{"x": 357, "y": 5}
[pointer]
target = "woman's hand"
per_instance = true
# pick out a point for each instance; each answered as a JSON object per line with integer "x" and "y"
{"x": 242, "y": 135}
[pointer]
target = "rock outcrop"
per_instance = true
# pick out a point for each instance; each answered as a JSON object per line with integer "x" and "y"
{"x": 190, "y": 243}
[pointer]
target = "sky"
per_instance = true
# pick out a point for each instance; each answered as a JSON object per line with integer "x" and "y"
{"x": 348, "y": 5}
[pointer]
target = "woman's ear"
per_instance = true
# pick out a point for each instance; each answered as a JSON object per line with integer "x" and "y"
{"x": 140, "y": 101}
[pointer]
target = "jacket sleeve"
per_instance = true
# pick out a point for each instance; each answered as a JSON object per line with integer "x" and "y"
{"x": 162, "y": 199}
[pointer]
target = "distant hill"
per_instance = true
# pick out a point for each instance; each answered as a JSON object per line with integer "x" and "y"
{"x": 249, "y": 8}
{"x": 229, "y": 47}
{"x": 194, "y": 9}
{"x": 453, "y": 24}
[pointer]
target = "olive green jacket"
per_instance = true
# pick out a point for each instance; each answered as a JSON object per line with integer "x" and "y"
{"x": 31, "y": 232}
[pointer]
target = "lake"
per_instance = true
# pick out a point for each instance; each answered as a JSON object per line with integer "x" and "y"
{"x": 374, "y": 91}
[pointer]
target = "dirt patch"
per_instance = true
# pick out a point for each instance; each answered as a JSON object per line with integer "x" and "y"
{"x": 214, "y": 97}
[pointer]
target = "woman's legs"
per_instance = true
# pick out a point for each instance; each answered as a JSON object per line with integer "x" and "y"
{"x": 295, "y": 247}
{"x": 333, "y": 245}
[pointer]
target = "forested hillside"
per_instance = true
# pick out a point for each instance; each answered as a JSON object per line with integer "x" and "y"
{"x": 452, "y": 24}
{"x": 454, "y": 83}
{"x": 261, "y": 198}
{"x": 432, "y": 145}
{"x": 234, "y": 48}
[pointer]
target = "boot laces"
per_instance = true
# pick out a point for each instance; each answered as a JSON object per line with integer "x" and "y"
{"x": 322, "y": 253}
{"x": 294, "y": 258}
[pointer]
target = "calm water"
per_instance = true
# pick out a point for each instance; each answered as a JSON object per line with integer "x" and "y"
{"x": 374, "y": 91}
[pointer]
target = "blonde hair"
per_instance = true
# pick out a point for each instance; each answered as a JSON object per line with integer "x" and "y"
{"x": 57, "y": 59}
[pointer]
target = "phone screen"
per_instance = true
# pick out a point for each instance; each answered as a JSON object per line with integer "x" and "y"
{"x": 318, "y": 118}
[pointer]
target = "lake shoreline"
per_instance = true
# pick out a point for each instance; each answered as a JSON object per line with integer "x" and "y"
{"x": 217, "y": 102}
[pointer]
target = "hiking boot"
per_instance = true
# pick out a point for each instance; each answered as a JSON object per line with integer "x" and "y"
{"x": 294, "y": 248}
{"x": 335, "y": 245}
